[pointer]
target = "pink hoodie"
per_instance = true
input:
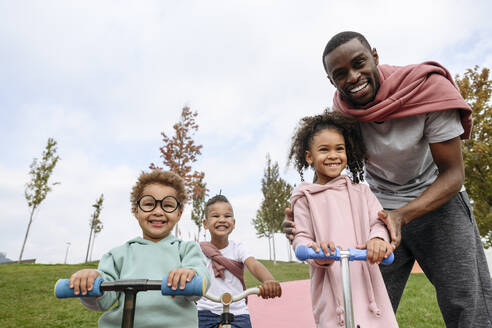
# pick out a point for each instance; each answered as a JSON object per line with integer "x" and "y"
{"x": 345, "y": 213}
{"x": 410, "y": 90}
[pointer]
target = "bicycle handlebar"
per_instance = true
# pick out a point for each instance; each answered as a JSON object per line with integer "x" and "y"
{"x": 234, "y": 298}
{"x": 249, "y": 291}
{"x": 195, "y": 287}
{"x": 303, "y": 253}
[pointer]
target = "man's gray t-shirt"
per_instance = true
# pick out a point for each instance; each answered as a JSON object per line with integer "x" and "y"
{"x": 400, "y": 165}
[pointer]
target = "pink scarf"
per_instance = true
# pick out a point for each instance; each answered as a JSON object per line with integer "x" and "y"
{"x": 408, "y": 91}
{"x": 221, "y": 263}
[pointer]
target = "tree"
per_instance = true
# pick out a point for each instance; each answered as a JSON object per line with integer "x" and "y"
{"x": 198, "y": 212}
{"x": 94, "y": 223}
{"x": 180, "y": 152}
{"x": 476, "y": 88}
{"x": 39, "y": 187}
{"x": 276, "y": 193}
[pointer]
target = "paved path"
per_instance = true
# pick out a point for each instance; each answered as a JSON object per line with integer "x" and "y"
{"x": 292, "y": 310}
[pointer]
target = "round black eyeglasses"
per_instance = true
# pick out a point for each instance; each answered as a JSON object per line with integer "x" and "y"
{"x": 169, "y": 204}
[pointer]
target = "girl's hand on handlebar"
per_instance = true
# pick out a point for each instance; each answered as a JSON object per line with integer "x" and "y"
{"x": 327, "y": 248}
{"x": 271, "y": 289}
{"x": 377, "y": 249}
{"x": 181, "y": 276}
{"x": 83, "y": 280}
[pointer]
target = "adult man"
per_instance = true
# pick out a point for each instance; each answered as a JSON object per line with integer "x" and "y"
{"x": 412, "y": 118}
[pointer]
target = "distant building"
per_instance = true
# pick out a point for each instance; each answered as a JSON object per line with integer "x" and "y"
{"x": 5, "y": 260}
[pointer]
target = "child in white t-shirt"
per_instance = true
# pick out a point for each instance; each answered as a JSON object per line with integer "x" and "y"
{"x": 225, "y": 261}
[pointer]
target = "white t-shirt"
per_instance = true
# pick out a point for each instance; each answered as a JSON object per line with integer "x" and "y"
{"x": 235, "y": 251}
{"x": 400, "y": 164}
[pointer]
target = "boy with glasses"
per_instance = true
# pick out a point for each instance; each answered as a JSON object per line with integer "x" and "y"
{"x": 157, "y": 202}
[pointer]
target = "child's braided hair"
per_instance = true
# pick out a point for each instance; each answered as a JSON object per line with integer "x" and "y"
{"x": 309, "y": 126}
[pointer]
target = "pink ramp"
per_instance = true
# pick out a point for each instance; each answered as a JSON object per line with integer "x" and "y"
{"x": 292, "y": 310}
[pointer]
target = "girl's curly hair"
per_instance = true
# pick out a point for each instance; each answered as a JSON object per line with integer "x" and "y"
{"x": 309, "y": 126}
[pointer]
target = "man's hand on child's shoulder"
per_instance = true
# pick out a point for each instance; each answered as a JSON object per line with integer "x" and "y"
{"x": 288, "y": 225}
{"x": 181, "y": 276}
{"x": 83, "y": 280}
{"x": 271, "y": 289}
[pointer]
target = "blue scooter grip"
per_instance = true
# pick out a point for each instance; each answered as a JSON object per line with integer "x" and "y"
{"x": 303, "y": 253}
{"x": 195, "y": 287}
{"x": 63, "y": 290}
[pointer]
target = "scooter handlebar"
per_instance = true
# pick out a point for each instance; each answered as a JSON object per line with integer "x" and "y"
{"x": 303, "y": 253}
{"x": 195, "y": 287}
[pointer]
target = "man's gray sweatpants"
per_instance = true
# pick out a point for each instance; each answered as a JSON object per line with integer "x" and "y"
{"x": 447, "y": 245}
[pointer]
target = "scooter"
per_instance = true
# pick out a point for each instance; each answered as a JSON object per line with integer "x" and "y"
{"x": 344, "y": 256}
{"x": 195, "y": 287}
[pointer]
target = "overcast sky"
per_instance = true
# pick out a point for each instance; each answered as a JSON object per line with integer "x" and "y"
{"x": 105, "y": 78}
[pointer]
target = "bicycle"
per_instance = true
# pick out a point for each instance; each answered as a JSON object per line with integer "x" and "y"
{"x": 195, "y": 287}
{"x": 344, "y": 256}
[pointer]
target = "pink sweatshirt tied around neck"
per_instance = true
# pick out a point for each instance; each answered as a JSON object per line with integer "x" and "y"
{"x": 408, "y": 91}
{"x": 220, "y": 263}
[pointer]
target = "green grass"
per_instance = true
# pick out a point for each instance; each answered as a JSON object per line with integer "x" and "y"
{"x": 418, "y": 307}
{"x": 27, "y": 299}
{"x": 282, "y": 271}
{"x": 26, "y": 296}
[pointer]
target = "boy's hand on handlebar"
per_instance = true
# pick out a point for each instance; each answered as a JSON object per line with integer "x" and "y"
{"x": 271, "y": 289}
{"x": 327, "y": 248}
{"x": 377, "y": 249}
{"x": 181, "y": 276}
{"x": 83, "y": 280}
{"x": 288, "y": 225}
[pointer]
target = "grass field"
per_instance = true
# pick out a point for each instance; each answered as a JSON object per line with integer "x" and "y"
{"x": 26, "y": 297}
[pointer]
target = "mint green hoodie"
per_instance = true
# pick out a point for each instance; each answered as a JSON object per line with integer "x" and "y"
{"x": 143, "y": 259}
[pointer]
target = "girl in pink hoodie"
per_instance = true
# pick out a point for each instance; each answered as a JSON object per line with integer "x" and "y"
{"x": 335, "y": 209}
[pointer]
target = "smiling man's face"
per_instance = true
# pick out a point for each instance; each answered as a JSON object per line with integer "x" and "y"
{"x": 352, "y": 69}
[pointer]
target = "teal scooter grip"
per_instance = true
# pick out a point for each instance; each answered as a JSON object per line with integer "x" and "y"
{"x": 195, "y": 287}
{"x": 63, "y": 290}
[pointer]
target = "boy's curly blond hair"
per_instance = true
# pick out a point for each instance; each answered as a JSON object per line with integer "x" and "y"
{"x": 166, "y": 178}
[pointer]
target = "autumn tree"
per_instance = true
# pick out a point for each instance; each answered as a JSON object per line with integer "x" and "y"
{"x": 39, "y": 187}
{"x": 476, "y": 88}
{"x": 198, "y": 211}
{"x": 276, "y": 193}
{"x": 180, "y": 152}
{"x": 95, "y": 223}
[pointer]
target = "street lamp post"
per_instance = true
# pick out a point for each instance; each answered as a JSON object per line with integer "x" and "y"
{"x": 66, "y": 253}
